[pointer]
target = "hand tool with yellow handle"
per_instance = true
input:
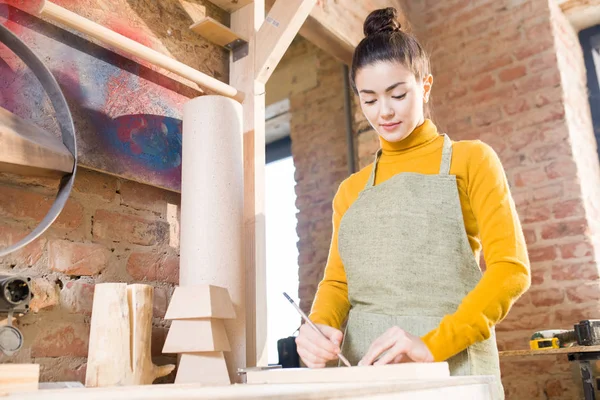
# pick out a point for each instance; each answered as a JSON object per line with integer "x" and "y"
{"x": 552, "y": 339}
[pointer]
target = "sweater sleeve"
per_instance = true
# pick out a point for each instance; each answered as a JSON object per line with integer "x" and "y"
{"x": 331, "y": 304}
{"x": 507, "y": 274}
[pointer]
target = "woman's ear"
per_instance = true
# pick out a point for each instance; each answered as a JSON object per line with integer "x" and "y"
{"x": 427, "y": 83}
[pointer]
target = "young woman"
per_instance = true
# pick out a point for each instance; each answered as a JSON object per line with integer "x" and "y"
{"x": 409, "y": 228}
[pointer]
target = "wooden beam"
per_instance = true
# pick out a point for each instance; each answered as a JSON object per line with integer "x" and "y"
{"x": 277, "y": 32}
{"x": 231, "y": 5}
{"x": 30, "y": 150}
{"x": 72, "y": 20}
{"x": 245, "y": 22}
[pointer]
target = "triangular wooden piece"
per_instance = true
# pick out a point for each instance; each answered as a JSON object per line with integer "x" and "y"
{"x": 202, "y": 301}
{"x": 204, "y": 368}
{"x": 187, "y": 336}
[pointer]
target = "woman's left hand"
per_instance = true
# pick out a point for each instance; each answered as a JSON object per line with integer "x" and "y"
{"x": 399, "y": 346}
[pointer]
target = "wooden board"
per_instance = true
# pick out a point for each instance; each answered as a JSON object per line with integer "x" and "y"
{"x": 202, "y": 301}
{"x": 566, "y": 350}
{"x": 29, "y": 150}
{"x": 455, "y": 388}
{"x": 186, "y": 336}
{"x": 381, "y": 373}
{"x": 19, "y": 378}
{"x": 216, "y": 32}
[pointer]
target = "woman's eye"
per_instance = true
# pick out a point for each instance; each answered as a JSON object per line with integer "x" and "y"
{"x": 399, "y": 97}
{"x": 370, "y": 101}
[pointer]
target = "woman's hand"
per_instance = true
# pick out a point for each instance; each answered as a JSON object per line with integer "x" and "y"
{"x": 314, "y": 349}
{"x": 399, "y": 346}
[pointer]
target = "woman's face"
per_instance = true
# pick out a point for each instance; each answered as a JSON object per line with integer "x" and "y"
{"x": 392, "y": 99}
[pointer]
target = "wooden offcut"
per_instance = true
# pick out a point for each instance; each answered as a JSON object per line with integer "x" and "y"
{"x": 200, "y": 301}
{"x": 27, "y": 149}
{"x": 380, "y": 373}
{"x": 217, "y": 33}
{"x": 196, "y": 336}
{"x": 120, "y": 337}
{"x": 17, "y": 378}
{"x": 203, "y": 368}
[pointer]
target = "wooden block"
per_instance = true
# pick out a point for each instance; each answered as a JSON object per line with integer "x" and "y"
{"x": 30, "y": 150}
{"x": 194, "y": 336}
{"x": 395, "y": 372}
{"x": 19, "y": 377}
{"x": 217, "y": 33}
{"x": 202, "y": 301}
{"x": 204, "y": 368}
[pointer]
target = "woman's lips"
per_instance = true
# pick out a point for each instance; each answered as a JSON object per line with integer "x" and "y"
{"x": 390, "y": 127}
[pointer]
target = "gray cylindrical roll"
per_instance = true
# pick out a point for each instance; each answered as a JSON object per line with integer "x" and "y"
{"x": 212, "y": 202}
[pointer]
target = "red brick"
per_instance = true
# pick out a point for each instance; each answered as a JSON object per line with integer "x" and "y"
{"x": 530, "y": 177}
{"x": 456, "y": 93}
{"x": 153, "y": 267}
{"x": 95, "y": 184}
{"x": 569, "y": 208}
{"x": 546, "y": 297}
{"x": 160, "y": 303}
{"x": 61, "y": 369}
{"x": 548, "y": 192}
{"x": 541, "y": 80}
{"x": 578, "y": 249}
{"x": 583, "y": 293}
{"x": 536, "y": 214}
{"x": 72, "y": 258}
{"x": 516, "y": 106}
{"x": 62, "y": 339}
{"x": 568, "y": 316}
{"x": 145, "y": 197}
{"x": 45, "y": 294}
{"x": 530, "y": 236}
{"x": 564, "y": 168}
{"x": 538, "y": 275}
{"x": 28, "y": 255}
{"x": 492, "y": 64}
{"x": 484, "y": 83}
{"x": 579, "y": 271}
{"x": 77, "y": 297}
{"x": 564, "y": 228}
{"x": 551, "y": 152}
{"x": 542, "y": 254}
{"x": 159, "y": 335}
{"x": 534, "y": 47}
{"x": 510, "y": 74}
{"x": 22, "y": 203}
{"x": 487, "y": 117}
{"x": 117, "y": 227}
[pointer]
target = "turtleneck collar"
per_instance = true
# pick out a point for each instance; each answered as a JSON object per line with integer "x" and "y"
{"x": 420, "y": 136}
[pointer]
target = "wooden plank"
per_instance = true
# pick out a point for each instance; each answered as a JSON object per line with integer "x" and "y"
{"x": 30, "y": 150}
{"x": 216, "y": 32}
{"x": 187, "y": 336}
{"x": 454, "y": 388}
{"x": 19, "y": 378}
{"x": 245, "y": 22}
{"x": 231, "y": 5}
{"x": 545, "y": 352}
{"x": 277, "y": 32}
{"x": 380, "y": 373}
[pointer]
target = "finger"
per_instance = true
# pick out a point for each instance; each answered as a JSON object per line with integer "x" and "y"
{"x": 397, "y": 350}
{"x": 325, "y": 342}
{"x": 311, "y": 360}
{"x": 381, "y": 344}
{"x": 313, "y": 347}
{"x": 334, "y": 335}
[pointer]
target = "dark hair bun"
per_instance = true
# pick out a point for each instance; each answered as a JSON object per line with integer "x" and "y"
{"x": 381, "y": 21}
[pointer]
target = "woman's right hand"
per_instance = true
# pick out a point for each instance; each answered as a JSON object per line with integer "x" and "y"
{"x": 314, "y": 349}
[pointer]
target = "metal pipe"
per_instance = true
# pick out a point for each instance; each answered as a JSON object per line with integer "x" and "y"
{"x": 348, "y": 115}
{"x": 107, "y": 36}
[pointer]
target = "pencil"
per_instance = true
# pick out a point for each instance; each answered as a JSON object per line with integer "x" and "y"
{"x": 308, "y": 321}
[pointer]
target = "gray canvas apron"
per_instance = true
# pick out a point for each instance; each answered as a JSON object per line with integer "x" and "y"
{"x": 409, "y": 263}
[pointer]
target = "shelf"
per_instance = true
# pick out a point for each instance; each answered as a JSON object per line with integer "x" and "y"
{"x": 218, "y": 33}
{"x": 566, "y": 350}
{"x": 30, "y": 150}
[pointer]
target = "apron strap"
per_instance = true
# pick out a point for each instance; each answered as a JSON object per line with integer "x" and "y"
{"x": 446, "y": 156}
{"x": 371, "y": 181}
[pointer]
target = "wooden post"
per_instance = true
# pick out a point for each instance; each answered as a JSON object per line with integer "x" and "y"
{"x": 245, "y": 22}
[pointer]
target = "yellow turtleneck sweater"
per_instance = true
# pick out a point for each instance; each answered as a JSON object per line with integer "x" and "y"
{"x": 490, "y": 221}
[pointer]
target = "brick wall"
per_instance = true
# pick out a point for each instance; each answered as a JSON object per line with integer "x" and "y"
{"x": 511, "y": 73}
{"x": 111, "y": 230}
{"x": 319, "y": 151}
